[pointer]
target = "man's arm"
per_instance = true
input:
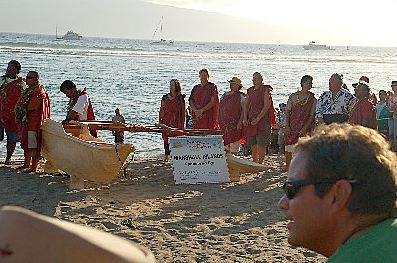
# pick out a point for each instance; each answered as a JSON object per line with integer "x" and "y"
{"x": 72, "y": 115}
{"x": 319, "y": 110}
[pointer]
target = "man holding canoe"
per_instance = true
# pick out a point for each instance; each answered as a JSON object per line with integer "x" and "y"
{"x": 79, "y": 107}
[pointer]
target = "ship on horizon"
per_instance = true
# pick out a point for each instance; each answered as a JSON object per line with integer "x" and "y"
{"x": 70, "y": 35}
{"x": 314, "y": 46}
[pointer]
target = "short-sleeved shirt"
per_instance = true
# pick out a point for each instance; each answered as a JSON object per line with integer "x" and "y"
{"x": 377, "y": 244}
{"x": 81, "y": 107}
{"x": 342, "y": 103}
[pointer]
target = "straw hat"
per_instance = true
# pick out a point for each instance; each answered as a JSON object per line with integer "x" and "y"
{"x": 235, "y": 80}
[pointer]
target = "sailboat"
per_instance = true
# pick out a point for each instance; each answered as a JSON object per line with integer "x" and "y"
{"x": 161, "y": 41}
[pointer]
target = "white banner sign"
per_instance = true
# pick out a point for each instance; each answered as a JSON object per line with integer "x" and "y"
{"x": 199, "y": 159}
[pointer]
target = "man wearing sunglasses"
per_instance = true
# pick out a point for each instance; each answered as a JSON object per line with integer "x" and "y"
{"x": 340, "y": 195}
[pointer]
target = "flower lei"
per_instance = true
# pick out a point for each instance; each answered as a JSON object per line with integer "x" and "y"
{"x": 73, "y": 101}
{"x": 3, "y": 89}
{"x": 21, "y": 108}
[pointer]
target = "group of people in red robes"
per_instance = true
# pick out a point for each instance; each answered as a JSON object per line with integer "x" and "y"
{"x": 248, "y": 118}
{"x": 25, "y": 105}
{"x": 241, "y": 117}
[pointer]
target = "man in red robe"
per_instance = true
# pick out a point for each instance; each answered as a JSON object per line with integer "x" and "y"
{"x": 259, "y": 117}
{"x": 231, "y": 115}
{"x": 364, "y": 111}
{"x": 32, "y": 109}
{"x": 204, "y": 102}
{"x": 79, "y": 106}
{"x": 10, "y": 92}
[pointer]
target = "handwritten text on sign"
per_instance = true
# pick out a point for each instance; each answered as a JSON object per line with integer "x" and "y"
{"x": 199, "y": 159}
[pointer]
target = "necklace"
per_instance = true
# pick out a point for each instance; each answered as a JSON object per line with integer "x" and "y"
{"x": 302, "y": 102}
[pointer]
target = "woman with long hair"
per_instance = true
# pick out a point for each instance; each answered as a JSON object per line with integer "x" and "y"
{"x": 172, "y": 112}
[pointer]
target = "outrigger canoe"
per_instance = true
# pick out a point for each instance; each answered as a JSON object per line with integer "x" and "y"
{"x": 80, "y": 155}
{"x": 238, "y": 166}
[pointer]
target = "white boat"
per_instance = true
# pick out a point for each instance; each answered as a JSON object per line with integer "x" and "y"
{"x": 161, "y": 41}
{"x": 314, "y": 46}
{"x": 238, "y": 166}
{"x": 70, "y": 35}
{"x": 80, "y": 155}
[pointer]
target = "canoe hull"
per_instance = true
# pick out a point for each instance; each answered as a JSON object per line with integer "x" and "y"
{"x": 84, "y": 157}
{"x": 238, "y": 166}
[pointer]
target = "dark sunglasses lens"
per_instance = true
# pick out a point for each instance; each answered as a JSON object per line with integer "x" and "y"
{"x": 290, "y": 190}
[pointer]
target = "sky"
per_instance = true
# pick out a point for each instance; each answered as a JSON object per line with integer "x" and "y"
{"x": 336, "y": 22}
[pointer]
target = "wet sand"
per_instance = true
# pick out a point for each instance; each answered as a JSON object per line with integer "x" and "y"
{"x": 233, "y": 222}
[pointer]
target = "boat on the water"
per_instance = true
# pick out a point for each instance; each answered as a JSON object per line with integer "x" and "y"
{"x": 70, "y": 35}
{"x": 314, "y": 46}
{"x": 80, "y": 155}
{"x": 161, "y": 41}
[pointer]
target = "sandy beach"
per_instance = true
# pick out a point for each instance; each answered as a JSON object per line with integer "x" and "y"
{"x": 234, "y": 222}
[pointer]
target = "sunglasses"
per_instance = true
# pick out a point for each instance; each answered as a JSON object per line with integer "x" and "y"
{"x": 30, "y": 77}
{"x": 291, "y": 188}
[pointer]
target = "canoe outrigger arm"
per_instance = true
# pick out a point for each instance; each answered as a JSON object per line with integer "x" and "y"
{"x": 118, "y": 127}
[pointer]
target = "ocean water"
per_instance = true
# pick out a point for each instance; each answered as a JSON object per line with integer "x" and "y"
{"x": 133, "y": 74}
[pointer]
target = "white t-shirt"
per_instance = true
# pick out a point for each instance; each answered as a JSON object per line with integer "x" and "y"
{"x": 81, "y": 107}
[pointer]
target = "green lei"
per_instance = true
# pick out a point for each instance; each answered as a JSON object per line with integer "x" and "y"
{"x": 73, "y": 101}
{"x": 22, "y": 106}
{"x": 3, "y": 89}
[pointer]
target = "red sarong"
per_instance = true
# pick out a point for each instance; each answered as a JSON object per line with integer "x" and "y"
{"x": 201, "y": 96}
{"x": 8, "y": 100}
{"x": 298, "y": 117}
{"x": 364, "y": 109}
{"x": 38, "y": 111}
{"x": 173, "y": 113}
{"x": 254, "y": 107}
{"x": 229, "y": 116}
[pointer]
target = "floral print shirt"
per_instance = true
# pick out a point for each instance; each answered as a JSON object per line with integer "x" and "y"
{"x": 342, "y": 103}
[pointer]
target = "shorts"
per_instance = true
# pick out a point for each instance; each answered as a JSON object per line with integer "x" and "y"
{"x": 281, "y": 138}
{"x": 262, "y": 138}
{"x": 12, "y": 136}
{"x": 32, "y": 140}
{"x": 233, "y": 147}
